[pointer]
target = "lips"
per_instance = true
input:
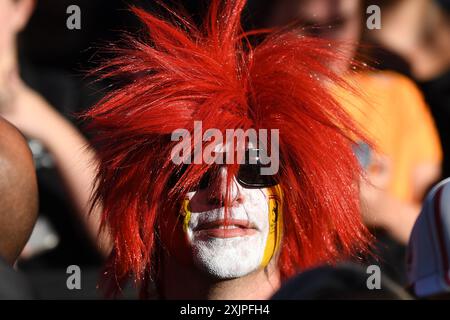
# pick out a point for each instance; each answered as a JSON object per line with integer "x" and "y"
{"x": 229, "y": 229}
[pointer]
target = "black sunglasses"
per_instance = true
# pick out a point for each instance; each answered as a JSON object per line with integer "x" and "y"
{"x": 248, "y": 176}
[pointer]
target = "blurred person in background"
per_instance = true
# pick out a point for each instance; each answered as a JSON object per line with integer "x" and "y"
{"x": 345, "y": 281}
{"x": 406, "y": 157}
{"x": 429, "y": 247}
{"x": 418, "y": 32}
{"x": 59, "y": 149}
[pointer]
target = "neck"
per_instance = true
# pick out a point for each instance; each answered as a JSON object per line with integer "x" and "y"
{"x": 179, "y": 282}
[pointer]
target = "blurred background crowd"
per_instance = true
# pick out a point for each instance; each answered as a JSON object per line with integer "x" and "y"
{"x": 403, "y": 75}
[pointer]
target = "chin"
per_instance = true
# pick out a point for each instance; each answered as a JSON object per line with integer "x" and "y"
{"x": 229, "y": 258}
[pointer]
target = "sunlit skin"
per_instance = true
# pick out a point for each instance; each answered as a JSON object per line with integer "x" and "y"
{"x": 208, "y": 200}
{"x": 207, "y": 229}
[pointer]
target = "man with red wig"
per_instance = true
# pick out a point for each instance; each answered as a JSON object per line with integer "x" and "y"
{"x": 223, "y": 230}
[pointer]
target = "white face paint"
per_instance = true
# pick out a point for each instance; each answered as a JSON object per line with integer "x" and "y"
{"x": 237, "y": 249}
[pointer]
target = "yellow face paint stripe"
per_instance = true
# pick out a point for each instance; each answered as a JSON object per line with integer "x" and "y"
{"x": 187, "y": 214}
{"x": 275, "y": 225}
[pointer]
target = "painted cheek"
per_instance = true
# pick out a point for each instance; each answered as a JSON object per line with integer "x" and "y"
{"x": 275, "y": 226}
{"x": 261, "y": 209}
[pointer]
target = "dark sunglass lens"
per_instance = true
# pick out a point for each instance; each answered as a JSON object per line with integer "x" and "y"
{"x": 249, "y": 176}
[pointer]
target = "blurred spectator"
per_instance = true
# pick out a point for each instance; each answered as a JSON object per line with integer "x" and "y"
{"x": 429, "y": 247}
{"x": 406, "y": 156}
{"x": 418, "y": 31}
{"x": 344, "y": 282}
{"x": 57, "y": 145}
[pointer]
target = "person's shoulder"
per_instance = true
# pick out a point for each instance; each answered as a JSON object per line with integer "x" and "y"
{"x": 388, "y": 80}
{"x": 12, "y": 143}
{"x": 397, "y": 92}
{"x": 379, "y": 92}
{"x": 16, "y": 159}
{"x": 9, "y": 131}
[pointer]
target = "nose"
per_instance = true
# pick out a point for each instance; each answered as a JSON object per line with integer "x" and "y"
{"x": 218, "y": 192}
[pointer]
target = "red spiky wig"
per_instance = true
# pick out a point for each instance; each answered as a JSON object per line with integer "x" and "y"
{"x": 181, "y": 73}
